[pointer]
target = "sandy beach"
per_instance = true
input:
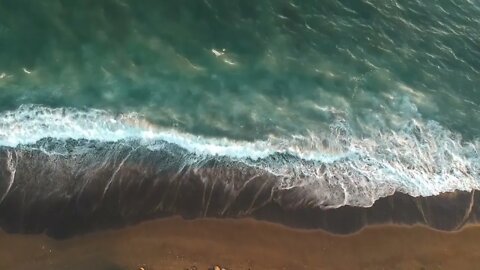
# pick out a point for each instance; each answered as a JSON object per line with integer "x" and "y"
{"x": 175, "y": 243}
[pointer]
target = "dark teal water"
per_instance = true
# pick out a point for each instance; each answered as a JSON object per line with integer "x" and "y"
{"x": 288, "y": 67}
{"x": 397, "y": 82}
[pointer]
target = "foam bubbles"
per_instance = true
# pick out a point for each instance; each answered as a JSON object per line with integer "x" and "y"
{"x": 337, "y": 168}
{"x": 30, "y": 123}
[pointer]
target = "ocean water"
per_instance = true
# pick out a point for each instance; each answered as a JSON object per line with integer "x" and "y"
{"x": 376, "y": 96}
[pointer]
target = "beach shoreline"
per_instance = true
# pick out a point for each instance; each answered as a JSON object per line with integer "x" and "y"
{"x": 175, "y": 243}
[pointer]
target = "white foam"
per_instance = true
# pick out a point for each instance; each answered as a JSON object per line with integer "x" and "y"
{"x": 421, "y": 158}
{"x": 30, "y": 123}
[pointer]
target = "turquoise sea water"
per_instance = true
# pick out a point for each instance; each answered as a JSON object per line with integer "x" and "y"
{"x": 389, "y": 89}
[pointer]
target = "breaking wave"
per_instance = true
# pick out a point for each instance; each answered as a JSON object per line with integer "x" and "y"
{"x": 332, "y": 169}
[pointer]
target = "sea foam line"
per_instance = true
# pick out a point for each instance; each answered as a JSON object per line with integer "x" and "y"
{"x": 420, "y": 159}
{"x": 31, "y": 123}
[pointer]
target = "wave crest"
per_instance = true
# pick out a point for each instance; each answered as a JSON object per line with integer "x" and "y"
{"x": 333, "y": 169}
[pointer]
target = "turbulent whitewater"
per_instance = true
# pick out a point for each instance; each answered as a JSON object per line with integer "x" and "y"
{"x": 420, "y": 159}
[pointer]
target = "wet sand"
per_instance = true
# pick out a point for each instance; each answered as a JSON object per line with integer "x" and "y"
{"x": 175, "y": 243}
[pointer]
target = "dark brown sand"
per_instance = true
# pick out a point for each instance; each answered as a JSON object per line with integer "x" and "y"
{"x": 243, "y": 244}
